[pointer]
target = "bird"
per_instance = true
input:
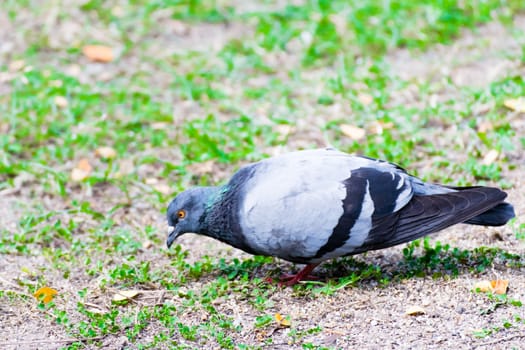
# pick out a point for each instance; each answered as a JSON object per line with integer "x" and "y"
{"x": 309, "y": 206}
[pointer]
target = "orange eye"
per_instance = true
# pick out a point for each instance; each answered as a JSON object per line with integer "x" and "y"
{"x": 181, "y": 214}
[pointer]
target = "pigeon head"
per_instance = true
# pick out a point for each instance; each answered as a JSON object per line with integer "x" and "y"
{"x": 186, "y": 212}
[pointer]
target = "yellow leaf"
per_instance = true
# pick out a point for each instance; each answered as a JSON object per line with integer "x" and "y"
{"x": 353, "y": 132}
{"x": 106, "y": 152}
{"x": 159, "y": 126}
{"x": 499, "y": 286}
{"x": 377, "y": 127}
{"x": 98, "y": 53}
{"x": 483, "y": 286}
{"x": 81, "y": 171}
{"x": 151, "y": 181}
{"x": 16, "y": 65}
{"x": 494, "y": 286}
{"x": 83, "y": 164}
{"x": 515, "y": 104}
{"x": 162, "y": 188}
{"x": 365, "y": 99}
{"x": 45, "y": 294}
{"x": 485, "y": 126}
{"x": 282, "y": 321}
{"x": 125, "y": 295}
{"x": 61, "y": 101}
{"x": 415, "y": 310}
{"x": 490, "y": 157}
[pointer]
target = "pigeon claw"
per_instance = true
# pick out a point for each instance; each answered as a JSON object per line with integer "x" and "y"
{"x": 292, "y": 279}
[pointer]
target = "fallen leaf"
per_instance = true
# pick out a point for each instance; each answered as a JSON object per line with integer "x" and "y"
{"x": 485, "y": 126}
{"x": 61, "y": 101}
{"x": 365, "y": 99}
{"x": 284, "y": 129}
{"x": 515, "y": 104}
{"x": 95, "y": 310}
{"x": 353, "y": 132}
{"x": 98, "y": 53}
{"x": 106, "y": 152}
{"x": 483, "y": 286}
{"x": 125, "y": 295}
{"x": 16, "y": 65}
{"x": 499, "y": 286}
{"x": 159, "y": 126}
{"x": 83, "y": 164}
{"x": 494, "y": 286}
{"x": 151, "y": 181}
{"x": 490, "y": 157}
{"x": 81, "y": 171}
{"x": 45, "y": 294}
{"x": 377, "y": 127}
{"x": 282, "y": 321}
{"x": 162, "y": 188}
{"x": 415, "y": 310}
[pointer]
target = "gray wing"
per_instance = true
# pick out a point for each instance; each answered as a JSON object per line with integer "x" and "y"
{"x": 426, "y": 214}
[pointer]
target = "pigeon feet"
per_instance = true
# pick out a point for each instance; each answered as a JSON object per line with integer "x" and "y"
{"x": 291, "y": 279}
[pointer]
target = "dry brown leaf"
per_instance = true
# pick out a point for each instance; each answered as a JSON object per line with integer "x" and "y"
{"x": 106, "y": 152}
{"x": 159, "y": 126}
{"x": 95, "y": 310}
{"x": 81, "y": 171}
{"x": 377, "y": 127}
{"x": 45, "y": 294}
{"x": 125, "y": 295}
{"x": 284, "y": 129}
{"x": 490, "y": 157}
{"x": 499, "y": 286}
{"x": 353, "y": 132}
{"x": 162, "y": 188}
{"x": 282, "y": 321}
{"x": 483, "y": 286}
{"x": 151, "y": 181}
{"x": 494, "y": 286}
{"x": 415, "y": 310}
{"x": 61, "y": 101}
{"x": 98, "y": 53}
{"x": 515, "y": 104}
{"x": 83, "y": 164}
{"x": 16, "y": 65}
{"x": 365, "y": 99}
{"x": 485, "y": 126}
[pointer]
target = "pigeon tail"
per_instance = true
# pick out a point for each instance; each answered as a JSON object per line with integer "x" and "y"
{"x": 497, "y": 216}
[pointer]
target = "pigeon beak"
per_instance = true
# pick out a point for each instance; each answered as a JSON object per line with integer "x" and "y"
{"x": 172, "y": 235}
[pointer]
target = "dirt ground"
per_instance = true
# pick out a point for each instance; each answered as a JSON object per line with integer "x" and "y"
{"x": 363, "y": 317}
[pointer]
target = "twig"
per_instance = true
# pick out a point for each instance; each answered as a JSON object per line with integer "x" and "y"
{"x": 9, "y": 191}
{"x": 50, "y": 341}
{"x": 497, "y": 341}
{"x": 160, "y": 300}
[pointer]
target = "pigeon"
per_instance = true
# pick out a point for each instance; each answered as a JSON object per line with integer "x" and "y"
{"x": 313, "y": 205}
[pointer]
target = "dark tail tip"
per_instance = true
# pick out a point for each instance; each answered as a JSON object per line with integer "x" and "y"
{"x": 497, "y": 216}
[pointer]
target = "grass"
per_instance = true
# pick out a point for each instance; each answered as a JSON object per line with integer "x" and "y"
{"x": 271, "y": 78}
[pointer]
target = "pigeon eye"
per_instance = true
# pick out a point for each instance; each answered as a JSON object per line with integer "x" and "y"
{"x": 181, "y": 214}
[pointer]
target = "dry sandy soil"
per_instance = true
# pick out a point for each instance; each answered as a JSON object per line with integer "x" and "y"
{"x": 361, "y": 317}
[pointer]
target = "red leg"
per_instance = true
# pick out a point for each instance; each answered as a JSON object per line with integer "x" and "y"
{"x": 291, "y": 279}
